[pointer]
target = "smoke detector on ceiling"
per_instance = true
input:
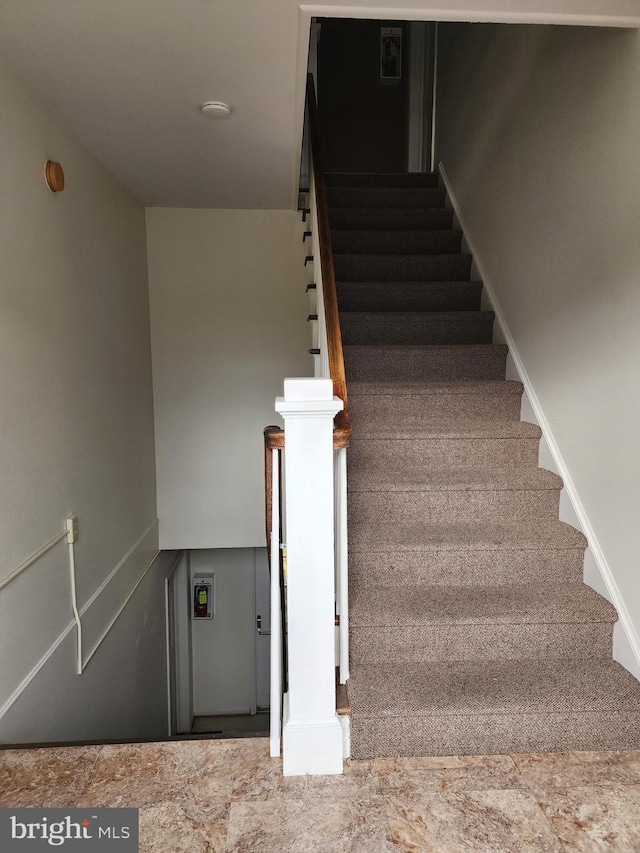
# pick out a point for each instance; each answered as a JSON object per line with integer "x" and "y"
{"x": 216, "y": 109}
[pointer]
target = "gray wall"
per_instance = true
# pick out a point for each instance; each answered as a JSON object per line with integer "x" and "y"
{"x": 538, "y": 129}
{"x": 76, "y": 436}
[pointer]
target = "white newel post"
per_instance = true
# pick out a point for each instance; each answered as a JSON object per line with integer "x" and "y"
{"x": 312, "y": 734}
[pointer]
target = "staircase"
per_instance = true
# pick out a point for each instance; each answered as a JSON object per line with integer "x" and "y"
{"x": 471, "y": 628}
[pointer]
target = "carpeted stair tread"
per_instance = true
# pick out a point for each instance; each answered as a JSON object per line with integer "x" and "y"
{"x": 407, "y": 197}
{"x": 445, "y": 428}
{"x": 451, "y": 507}
{"x": 381, "y": 179}
{"x": 435, "y": 363}
{"x": 496, "y": 734}
{"x": 391, "y": 218}
{"x": 384, "y": 241}
{"x": 437, "y": 452}
{"x": 419, "y": 534}
{"x": 464, "y": 688}
{"x": 410, "y": 479}
{"x": 431, "y": 567}
{"x": 493, "y": 605}
{"x": 425, "y": 388}
{"x": 492, "y": 734}
{"x": 418, "y": 403}
{"x": 518, "y": 640}
{"x": 417, "y": 328}
{"x": 401, "y": 267}
{"x": 409, "y": 295}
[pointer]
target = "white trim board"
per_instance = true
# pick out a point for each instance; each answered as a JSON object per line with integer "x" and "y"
{"x": 462, "y": 11}
{"x": 597, "y": 572}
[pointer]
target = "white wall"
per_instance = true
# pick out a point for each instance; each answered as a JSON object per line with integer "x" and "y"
{"x": 538, "y": 130}
{"x": 224, "y": 647}
{"x": 228, "y": 323}
{"x": 76, "y": 436}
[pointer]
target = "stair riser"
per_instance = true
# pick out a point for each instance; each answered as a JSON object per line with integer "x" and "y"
{"x": 395, "y": 453}
{"x": 396, "y": 242}
{"x": 411, "y": 179}
{"x": 434, "y": 507}
{"x": 390, "y": 218}
{"x": 380, "y": 411}
{"x": 491, "y": 734}
{"x": 377, "y": 267}
{"x": 384, "y": 197}
{"x": 365, "y": 365}
{"x": 408, "y": 296}
{"x": 465, "y": 569}
{"x": 478, "y": 642}
{"x": 461, "y": 328}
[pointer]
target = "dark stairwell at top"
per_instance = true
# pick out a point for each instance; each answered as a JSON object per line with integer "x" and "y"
{"x": 471, "y": 628}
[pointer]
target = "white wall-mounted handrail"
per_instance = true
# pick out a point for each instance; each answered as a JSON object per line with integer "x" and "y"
{"x": 34, "y": 558}
{"x": 74, "y": 607}
{"x": 77, "y": 612}
{"x": 72, "y": 584}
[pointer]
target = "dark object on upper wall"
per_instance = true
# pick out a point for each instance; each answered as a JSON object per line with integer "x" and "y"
{"x": 390, "y": 55}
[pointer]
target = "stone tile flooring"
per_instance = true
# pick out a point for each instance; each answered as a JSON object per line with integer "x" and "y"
{"x": 228, "y": 795}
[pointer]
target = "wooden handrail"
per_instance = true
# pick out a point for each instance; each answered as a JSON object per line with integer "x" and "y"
{"x": 274, "y": 436}
{"x": 329, "y": 293}
{"x": 274, "y": 440}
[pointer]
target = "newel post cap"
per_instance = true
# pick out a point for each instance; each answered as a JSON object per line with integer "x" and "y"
{"x": 309, "y": 396}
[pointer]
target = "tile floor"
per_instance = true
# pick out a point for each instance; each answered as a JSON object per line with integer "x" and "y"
{"x": 228, "y": 795}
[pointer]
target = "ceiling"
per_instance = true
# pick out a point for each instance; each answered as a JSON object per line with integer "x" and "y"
{"x": 128, "y": 77}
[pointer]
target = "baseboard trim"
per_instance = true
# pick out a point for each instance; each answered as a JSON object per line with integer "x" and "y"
{"x": 626, "y": 645}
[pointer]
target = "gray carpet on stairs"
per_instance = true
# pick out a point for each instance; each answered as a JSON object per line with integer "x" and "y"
{"x": 443, "y": 363}
{"x": 471, "y": 630}
{"x": 406, "y": 197}
{"x": 417, "y": 327}
{"x": 409, "y": 296}
{"x": 407, "y": 267}
{"x": 391, "y": 218}
{"x": 408, "y": 242}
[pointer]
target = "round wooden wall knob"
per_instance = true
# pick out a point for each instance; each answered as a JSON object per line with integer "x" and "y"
{"x": 54, "y": 176}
